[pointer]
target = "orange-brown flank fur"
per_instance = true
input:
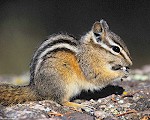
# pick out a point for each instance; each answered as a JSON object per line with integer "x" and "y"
{"x": 68, "y": 66}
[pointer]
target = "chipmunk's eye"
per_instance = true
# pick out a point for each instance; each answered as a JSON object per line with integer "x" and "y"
{"x": 116, "y": 49}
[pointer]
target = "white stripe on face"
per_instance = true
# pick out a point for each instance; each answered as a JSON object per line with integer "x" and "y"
{"x": 112, "y": 43}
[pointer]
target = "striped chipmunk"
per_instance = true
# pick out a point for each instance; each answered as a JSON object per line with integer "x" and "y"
{"x": 63, "y": 66}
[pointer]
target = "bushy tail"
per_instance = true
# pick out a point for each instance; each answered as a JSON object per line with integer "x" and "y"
{"x": 10, "y": 95}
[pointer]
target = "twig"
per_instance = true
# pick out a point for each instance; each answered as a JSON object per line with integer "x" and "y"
{"x": 74, "y": 109}
{"x": 128, "y": 112}
{"x": 113, "y": 98}
{"x": 56, "y": 114}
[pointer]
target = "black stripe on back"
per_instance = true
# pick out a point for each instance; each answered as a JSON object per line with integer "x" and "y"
{"x": 54, "y": 43}
{"x": 35, "y": 59}
{"x": 57, "y": 50}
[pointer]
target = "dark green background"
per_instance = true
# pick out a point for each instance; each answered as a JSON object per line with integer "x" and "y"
{"x": 24, "y": 24}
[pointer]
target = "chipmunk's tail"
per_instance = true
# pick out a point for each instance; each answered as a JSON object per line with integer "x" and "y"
{"x": 10, "y": 95}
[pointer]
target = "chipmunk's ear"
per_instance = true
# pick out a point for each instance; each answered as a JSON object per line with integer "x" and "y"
{"x": 100, "y": 28}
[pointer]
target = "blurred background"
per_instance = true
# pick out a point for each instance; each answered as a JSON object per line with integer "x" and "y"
{"x": 24, "y": 24}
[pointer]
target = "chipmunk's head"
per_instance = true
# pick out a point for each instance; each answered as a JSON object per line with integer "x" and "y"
{"x": 113, "y": 53}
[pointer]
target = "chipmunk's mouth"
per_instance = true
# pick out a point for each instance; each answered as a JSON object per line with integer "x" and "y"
{"x": 119, "y": 67}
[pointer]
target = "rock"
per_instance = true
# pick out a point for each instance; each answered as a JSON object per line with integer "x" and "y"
{"x": 109, "y": 106}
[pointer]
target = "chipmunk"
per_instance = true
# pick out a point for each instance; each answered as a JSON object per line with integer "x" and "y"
{"x": 63, "y": 66}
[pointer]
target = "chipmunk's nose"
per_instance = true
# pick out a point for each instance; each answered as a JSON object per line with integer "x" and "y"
{"x": 126, "y": 69}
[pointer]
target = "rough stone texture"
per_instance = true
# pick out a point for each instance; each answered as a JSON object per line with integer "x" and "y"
{"x": 123, "y": 100}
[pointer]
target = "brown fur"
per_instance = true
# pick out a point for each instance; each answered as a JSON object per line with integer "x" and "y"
{"x": 10, "y": 95}
{"x": 62, "y": 77}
